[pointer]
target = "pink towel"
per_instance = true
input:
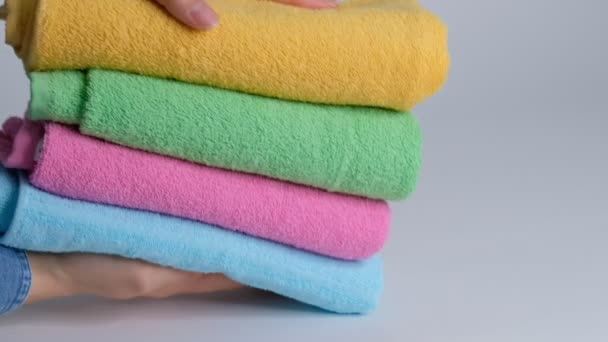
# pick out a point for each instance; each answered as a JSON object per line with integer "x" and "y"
{"x": 80, "y": 167}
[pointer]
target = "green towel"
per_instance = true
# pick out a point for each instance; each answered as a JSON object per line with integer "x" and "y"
{"x": 356, "y": 150}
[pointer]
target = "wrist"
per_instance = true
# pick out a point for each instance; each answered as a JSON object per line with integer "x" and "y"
{"x": 49, "y": 278}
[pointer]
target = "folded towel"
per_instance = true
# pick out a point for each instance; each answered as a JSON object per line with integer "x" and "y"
{"x": 379, "y": 53}
{"x": 357, "y": 150}
{"x": 47, "y": 223}
{"x": 72, "y": 165}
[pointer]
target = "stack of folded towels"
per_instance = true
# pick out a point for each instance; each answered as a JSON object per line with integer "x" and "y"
{"x": 264, "y": 150}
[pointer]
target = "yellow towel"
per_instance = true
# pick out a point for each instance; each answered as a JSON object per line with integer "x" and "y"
{"x": 385, "y": 53}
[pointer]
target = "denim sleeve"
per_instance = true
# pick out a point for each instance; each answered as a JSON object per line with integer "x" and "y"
{"x": 15, "y": 279}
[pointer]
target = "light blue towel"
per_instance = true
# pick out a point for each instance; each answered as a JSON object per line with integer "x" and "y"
{"x": 48, "y": 223}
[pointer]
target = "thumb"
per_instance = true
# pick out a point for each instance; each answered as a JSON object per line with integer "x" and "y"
{"x": 310, "y": 4}
{"x": 194, "y": 13}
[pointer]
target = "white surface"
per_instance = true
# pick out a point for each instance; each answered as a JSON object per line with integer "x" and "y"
{"x": 505, "y": 239}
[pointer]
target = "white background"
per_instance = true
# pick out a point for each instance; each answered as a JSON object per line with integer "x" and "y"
{"x": 505, "y": 239}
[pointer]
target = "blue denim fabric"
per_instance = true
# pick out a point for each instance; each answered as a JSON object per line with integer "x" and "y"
{"x": 15, "y": 279}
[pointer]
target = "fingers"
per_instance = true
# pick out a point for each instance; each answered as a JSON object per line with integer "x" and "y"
{"x": 312, "y": 4}
{"x": 186, "y": 283}
{"x": 154, "y": 281}
{"x": 119, "y": 278}
{"x": 194, "y": 13}
{"x": 208, "y": 283}
{"x": 199, "y": 15}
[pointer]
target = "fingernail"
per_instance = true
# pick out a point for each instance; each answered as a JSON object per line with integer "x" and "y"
{"x": 333, "y": 3}
{"x": 324, "y": 4}
{"x": 204, "y": 17}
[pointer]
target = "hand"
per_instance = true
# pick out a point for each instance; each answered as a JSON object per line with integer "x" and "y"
{"x": 65, "y": 275}
{"x": 199, "y": 15}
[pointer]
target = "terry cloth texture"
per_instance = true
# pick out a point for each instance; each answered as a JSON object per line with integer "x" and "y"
{"x": 356, "y": 150}
{"x": 80, "y": 167}
{"x": 48, "y": 223}
{"x": 384, "y": 53}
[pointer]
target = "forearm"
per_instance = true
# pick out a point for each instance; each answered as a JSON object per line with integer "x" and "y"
{"x": 33, "y": 277}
